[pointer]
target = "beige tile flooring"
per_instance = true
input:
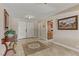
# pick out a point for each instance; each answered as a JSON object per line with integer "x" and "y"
{"x": 53, "y": 50}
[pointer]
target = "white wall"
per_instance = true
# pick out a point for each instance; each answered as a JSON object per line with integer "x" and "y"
{"x": 21, "y": 30}
{"x": 14, "y": 24}
{"x": 36, "y": 29}
{"x": 66, "y": 37}
{"x": 42, "y": 29}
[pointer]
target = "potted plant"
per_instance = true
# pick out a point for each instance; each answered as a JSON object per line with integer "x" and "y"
{"x": 10, "y": 33}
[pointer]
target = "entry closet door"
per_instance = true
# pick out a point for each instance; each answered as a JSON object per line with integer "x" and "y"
{"x": 30, "y": 29}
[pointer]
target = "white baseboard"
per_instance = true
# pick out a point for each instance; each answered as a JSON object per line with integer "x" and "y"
{"x": 74, "y": 49}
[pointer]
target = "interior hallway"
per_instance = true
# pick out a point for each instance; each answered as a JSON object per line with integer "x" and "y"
{"x": 27, "y": 22}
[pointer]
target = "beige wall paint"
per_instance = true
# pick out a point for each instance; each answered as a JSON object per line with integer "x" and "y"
{"x": 1, "y": 28}
{"x": 66, "y": 37}
{"x": 2, "y": 7}
{"x": 14, "y": 24}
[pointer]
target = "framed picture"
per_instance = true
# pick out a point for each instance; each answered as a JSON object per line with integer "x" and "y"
{"x": 68, "y": 23}
{"x": 6, "y": 19}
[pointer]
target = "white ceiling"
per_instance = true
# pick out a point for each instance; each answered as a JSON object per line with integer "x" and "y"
{"x": 38, "y": 10}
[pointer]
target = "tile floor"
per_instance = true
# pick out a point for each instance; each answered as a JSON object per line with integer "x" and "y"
{"x": 53, "y": 50}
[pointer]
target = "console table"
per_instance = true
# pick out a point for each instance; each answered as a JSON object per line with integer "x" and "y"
{"x": 9, "y": 43}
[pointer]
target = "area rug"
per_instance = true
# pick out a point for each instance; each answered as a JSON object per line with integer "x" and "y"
{"x": 33, "y": 47}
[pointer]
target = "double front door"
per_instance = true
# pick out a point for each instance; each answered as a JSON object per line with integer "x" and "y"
{"x": 25, "y": 30}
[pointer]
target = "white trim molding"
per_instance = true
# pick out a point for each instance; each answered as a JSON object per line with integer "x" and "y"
{"x": 66, "y": 46}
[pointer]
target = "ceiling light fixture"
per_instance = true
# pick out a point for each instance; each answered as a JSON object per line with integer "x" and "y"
{"x": 29, "y": 17}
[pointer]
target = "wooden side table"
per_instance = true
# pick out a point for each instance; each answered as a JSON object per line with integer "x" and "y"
{"x": 9, "y": 44}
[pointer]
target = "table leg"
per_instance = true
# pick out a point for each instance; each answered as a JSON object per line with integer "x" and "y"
{"x": 7, "y": 49}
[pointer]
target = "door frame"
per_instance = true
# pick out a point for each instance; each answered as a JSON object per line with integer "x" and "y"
{"x": 51, "y": 24}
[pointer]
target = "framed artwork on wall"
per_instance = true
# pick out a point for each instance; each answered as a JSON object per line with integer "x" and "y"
{"x": 68, "y": 23}
{"x": 6, "y": 19}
